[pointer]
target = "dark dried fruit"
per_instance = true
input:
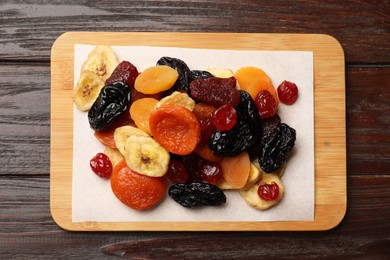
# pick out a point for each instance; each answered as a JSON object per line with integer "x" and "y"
{"x": 197, "y": 194}
{"x": 210, "y": 172}
{"x": 277, "y": 149}
{"x": 112, "y": 102}
{"x": 287, "y": 92}
{"x": 177, "y": 172}
{"x": 124, "y": 72}
{"x": 182, "y": 83}
{"x": 196, "y": 74}
{"x": 244, "y": 135}
{"x": 215, "y": 91}
{"x": 192, "y": 163}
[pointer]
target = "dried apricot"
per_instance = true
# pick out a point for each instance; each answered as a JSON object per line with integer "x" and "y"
{"x": 106, "y": 136}
{"x": 253, "y": 80}
{"x": 156, "y": 79}
{"x": 176, "y": 128}
{"x": 136, "y": 191}
{"x": 236, "y": 170}
{"x": 140, "y": 111}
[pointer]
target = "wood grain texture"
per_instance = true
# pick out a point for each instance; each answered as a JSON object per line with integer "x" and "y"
{"x": 30, "y": 27}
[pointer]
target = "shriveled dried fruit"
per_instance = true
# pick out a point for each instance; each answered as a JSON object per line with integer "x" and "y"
{"x": 177, "y": 172}
{"x": 215, "y": 91}
{"x": 210, "y": 172}
{"x": 112, "y": 102}
{"x": 197, "y": 194}
{"x": 268, "y": 191}
{"x": 182, "y": 83}
{"x": 101, "y": 165}
{"x": 125, "y": 72}
{"x": 196, "y": 74}
{"x": 287, "y": 92}
{"x": 266, "y": 104}
{"x": 277, "y": 149}
{"x": 224, "y": 118}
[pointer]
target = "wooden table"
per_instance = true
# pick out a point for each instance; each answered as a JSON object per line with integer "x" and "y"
{"x": 28, "y": 30}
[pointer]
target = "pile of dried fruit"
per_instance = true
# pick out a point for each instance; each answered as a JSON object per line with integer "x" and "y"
{"x": 198, "y": 132}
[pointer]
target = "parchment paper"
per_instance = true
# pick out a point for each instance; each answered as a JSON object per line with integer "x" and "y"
{"x": 92, "y": 198}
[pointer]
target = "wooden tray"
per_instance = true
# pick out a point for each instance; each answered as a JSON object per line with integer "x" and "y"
{"x": 329, "y": 109}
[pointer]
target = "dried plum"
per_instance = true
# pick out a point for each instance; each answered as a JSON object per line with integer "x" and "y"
{"x": 196, "y": 74}
{"x": 244, "y": 135}
{"x": 277, "y": 149}
{"x": 197, "y": 194}
{"x": 181, "y": 67}
{"x": 112, "y": 102}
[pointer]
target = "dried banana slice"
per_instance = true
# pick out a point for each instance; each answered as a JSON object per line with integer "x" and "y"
{"x": 177, "y": 98}
{"x": 146, "y": 156}
{"x": 102, "y": 61}
{"x": 122, "y": 133}
{"x": 252, "y": 198}
{"x": 87, "y": 90}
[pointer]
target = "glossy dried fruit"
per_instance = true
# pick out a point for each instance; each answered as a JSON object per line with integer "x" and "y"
{"x": 210, "y": 172}
{"x": 125, "y": 72}
{"x": 266, "y": 104}
{"x": 101, "y": 165}
{"x": 277, "y": 149}
{"x": 204, "y": 112}
{"x": 215, "y": 91}
{"x": 182, "y": 83}
{"x": 140, "y": 111}
{"x": 155, "y": 79}
{"x": 196, "y": 74}
{"x": 112, "y": 102}
{"x": 197, "y": 194}
{"x": 287, "y": 92}
{"x": 268, "y": 191}
{"x": 136, "y": 191}
{"x": 224, "y": 118}
{"x": 176, "y": 128}
{"x": 177, "y": 172}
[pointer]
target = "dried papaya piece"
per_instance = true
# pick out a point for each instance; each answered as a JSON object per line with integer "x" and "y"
{"x": 176, "y": 128}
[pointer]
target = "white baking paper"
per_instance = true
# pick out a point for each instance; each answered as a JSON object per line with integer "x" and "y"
{"x": 92, "y": 198}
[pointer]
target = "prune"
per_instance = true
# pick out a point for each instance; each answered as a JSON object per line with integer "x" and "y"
{"x": 232, "y": 142}
{"x": 125, "y": 72}
{"x": 197, "y": 194}
{"x": 192, "y": 163}
{"x": 244, "y": 135}
{"x": 277, "y": 149}
{"x": 112, "y": 102}
{"x": 196, "y": 74}
{"x": 215, "y": 91}
{"x": 181, "y": 67}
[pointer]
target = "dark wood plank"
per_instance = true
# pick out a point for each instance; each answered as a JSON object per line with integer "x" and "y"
{"x": 363, "y": 27}
{"x": 28, "y": 232}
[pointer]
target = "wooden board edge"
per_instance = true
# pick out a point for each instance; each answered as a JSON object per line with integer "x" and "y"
{"x": 317, "y": 224}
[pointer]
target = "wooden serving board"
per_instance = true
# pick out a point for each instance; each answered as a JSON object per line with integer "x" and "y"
{"x": 329, "y": 122}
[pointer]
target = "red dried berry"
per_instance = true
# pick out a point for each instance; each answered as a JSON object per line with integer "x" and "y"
{"x": 268, "y": 191}
{"x": 177, "y": 172}
{"x": 101, "y": 165}
{"x": 266, "y": 104}
{"x": 224, "y": 118}
{"x": 215, "y": 91}
{"x": 206, "y": 129}
{"x": 124, "y": 72}
{"x": 210, "y": 172}
{"x": 287, "y": 92}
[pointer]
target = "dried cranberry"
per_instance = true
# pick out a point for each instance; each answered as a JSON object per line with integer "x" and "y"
{"x": 206, "y": 128}
{"x": 287, "y": 92}
{"x": 101, "y": 165}
{"x": 224, "y": 118}
{"x": 177, "y": 172}
{"x": 215, "y": 91}
{"x": 268, "y": 191}
{"x": 124, "y": 72}
{"x": 266, "y": 104}
{"x": 210, "y": 172}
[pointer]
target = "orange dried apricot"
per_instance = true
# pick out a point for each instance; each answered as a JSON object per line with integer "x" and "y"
{"x": 140, "y": 112}
{"x": 253, "y": 80}
{"x": 236, "y": 170}
{"x": 136, "y": 191}
{"x": 176, "y": 128}
{"x": 156, "y": 79}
